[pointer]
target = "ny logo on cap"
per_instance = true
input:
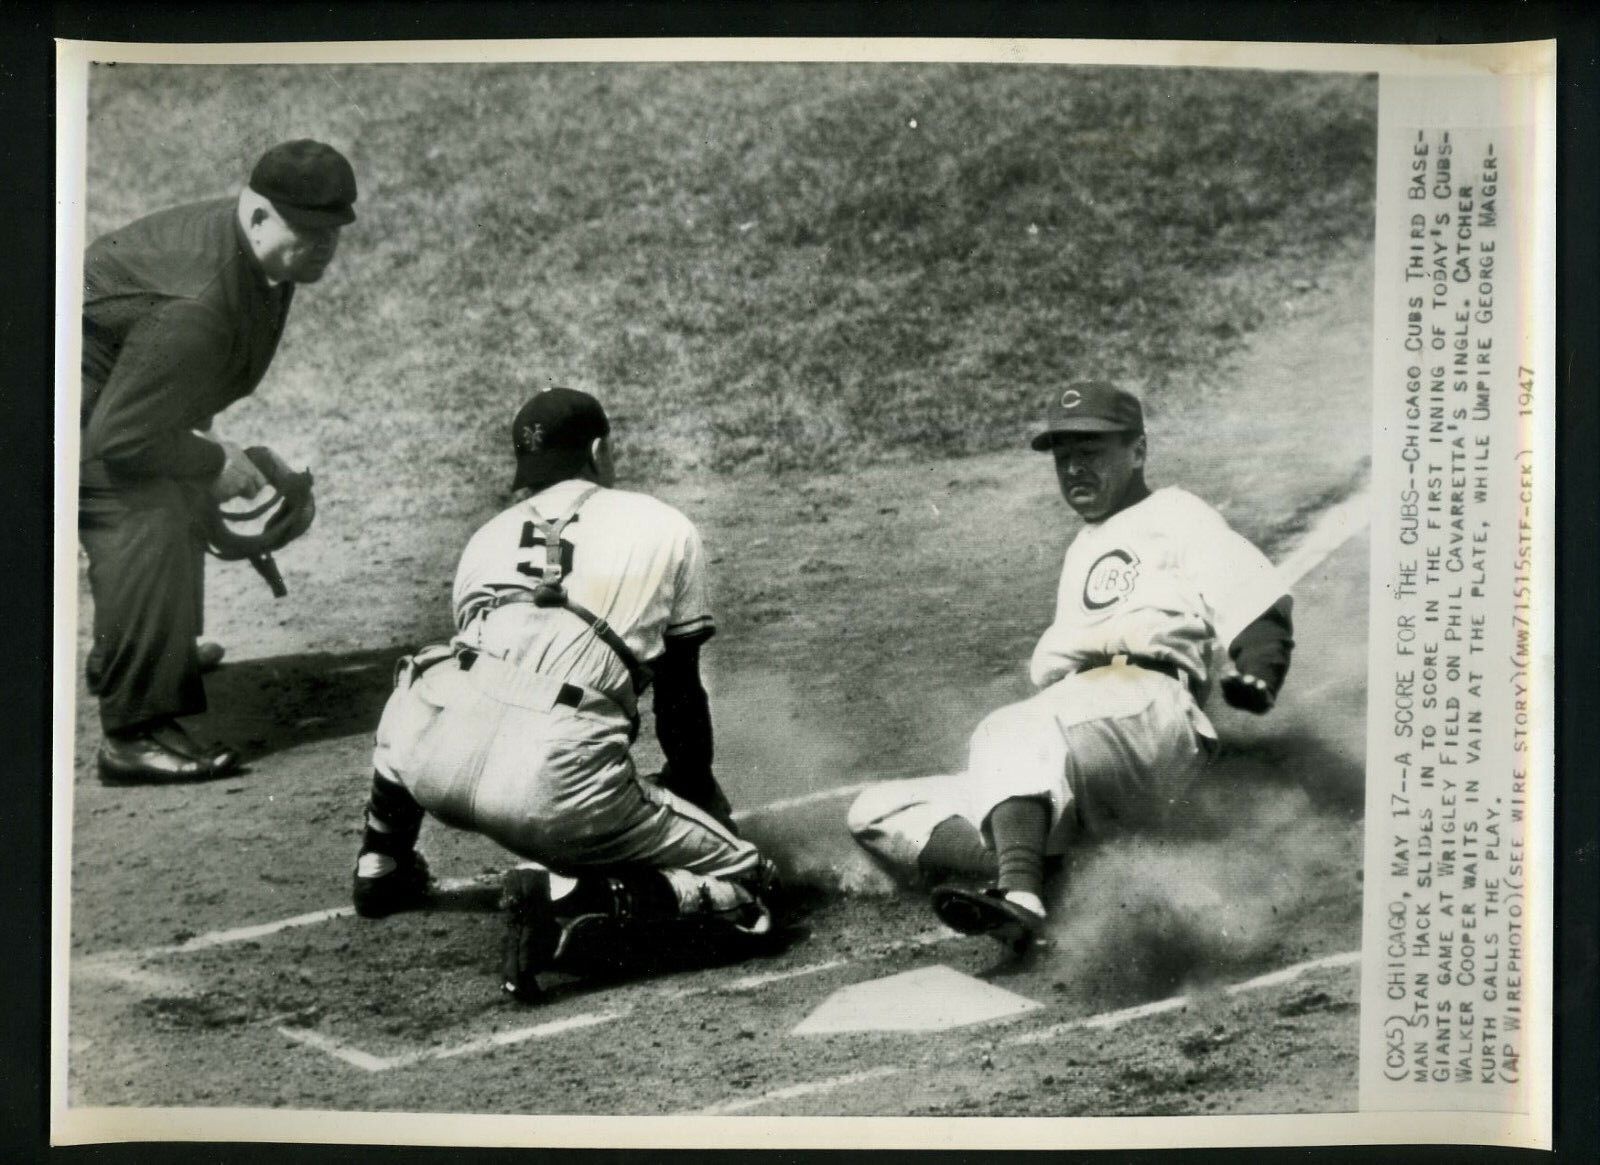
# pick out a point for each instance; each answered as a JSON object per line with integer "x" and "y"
{"x": 533, "y": 437}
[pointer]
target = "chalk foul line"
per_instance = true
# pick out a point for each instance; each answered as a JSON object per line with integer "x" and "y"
{"x": 1107, "y": 1019}
{"x": 816, "y": 798}
{"x": 368, "y": 1062}
{"x": 1333, "y": 528}
{"x": 122, "y": 965}
{"x": 1112, "y": 1019}
{"x": 358, "y": 1057}
{"x": 794, "y": 1091}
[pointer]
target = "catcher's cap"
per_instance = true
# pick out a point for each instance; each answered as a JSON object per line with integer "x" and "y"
{"x": 551, "y": 434}
{"x": 1090, "y": 406}
{"x": 309, "y": 183}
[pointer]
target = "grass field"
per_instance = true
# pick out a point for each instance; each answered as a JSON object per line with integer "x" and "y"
{"x": 779, "y": 267}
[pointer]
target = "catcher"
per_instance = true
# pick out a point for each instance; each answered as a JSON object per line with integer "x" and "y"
{"x": 568, "y": 607}
{"x": 1116, "y": 733}
{"x": 182, "y": 312}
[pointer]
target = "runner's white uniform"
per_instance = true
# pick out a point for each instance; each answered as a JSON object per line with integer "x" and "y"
{"x": 1107, "y": 742}
{"x": 492, "y": 747}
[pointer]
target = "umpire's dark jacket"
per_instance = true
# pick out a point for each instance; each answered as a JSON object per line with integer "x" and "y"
{"x": 179, "y": 321}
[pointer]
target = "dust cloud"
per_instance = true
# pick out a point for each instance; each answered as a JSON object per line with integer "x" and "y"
{"x": 1146, "y": 916}
{"x": 1266, "y": 838}
{"x": 772, "y": 752}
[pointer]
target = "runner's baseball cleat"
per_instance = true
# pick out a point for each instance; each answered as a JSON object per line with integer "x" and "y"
{"x": 988, "y": 912}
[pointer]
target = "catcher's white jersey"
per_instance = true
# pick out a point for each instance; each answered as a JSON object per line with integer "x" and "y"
{"x": 1152, "y": 581}
{"x": 489, "y": 745}
{"x": 633, "y": 560}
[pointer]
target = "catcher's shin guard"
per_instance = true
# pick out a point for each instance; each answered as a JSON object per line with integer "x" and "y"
{"x": 572, "y": 933}
{"x": 580, "y": 931}
{"x": 651, "y": 896}
{"x": 744, "y": 904}
{"x": 532, "y": 936}
{"x": 390, "y": 874}
{"x": 586, "y": 929}
{"x": 393, "y": 819}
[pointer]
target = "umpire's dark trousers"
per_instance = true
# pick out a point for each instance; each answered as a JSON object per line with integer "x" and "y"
{"x": 146, "y": 569}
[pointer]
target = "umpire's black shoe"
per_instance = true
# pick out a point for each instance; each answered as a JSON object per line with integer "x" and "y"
{"x": 988, "y": 912}
{"x": 161, "y": 754}
{"x": 385, "y": 885}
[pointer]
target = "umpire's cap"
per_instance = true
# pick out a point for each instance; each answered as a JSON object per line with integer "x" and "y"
{"x": 309, "y": 183}
{"x": 551, "y": 434}
{"x": 1090, "y": 406}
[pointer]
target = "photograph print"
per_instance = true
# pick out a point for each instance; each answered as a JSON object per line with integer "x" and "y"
{"x": 683, "y": 589}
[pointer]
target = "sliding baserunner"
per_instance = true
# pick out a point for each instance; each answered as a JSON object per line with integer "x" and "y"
{"x": 1116, "y": 733}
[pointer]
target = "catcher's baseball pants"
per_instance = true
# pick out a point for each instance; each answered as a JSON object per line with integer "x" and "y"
{"x": 1111, "y": 748}
{"x": 146, "y": 572}
{"x": 493, "y": 750}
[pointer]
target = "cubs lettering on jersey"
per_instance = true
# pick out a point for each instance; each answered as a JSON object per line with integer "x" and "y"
{"x": 1110, "y": 579}
{"x": 633, "y": 560}
{"x": 1152, "y": 581}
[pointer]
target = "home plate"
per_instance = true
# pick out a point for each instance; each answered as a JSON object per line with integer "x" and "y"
{"x": 925, "y": 1000}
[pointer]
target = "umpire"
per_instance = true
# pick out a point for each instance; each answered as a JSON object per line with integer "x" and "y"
{"x": 182, "y": 312}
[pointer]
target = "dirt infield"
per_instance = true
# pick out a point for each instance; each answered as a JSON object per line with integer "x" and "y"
{"x": 849, "y": 650}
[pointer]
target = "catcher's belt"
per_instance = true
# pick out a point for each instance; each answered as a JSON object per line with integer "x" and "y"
{"x": 510, "y": 684}
{"x": 506, "y": 682}
{"x": 289, "y": 512}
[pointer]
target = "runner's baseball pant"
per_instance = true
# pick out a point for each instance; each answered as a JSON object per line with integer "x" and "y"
{"x": 1110, "y": 748}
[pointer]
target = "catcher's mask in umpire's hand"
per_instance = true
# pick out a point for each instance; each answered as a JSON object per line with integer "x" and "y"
{"x": 288, "y": 513}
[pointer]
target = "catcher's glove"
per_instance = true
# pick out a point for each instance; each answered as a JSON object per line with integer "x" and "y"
{"x": 288, "y": 512}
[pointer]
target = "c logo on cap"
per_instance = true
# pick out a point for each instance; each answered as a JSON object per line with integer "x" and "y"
{"x": 1071, "y": 399}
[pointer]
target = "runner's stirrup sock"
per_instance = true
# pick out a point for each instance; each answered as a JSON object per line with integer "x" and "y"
{"x": 394, "y": 819}
{"x": 956, "y": 846}
{"x": 1020, "y": 827}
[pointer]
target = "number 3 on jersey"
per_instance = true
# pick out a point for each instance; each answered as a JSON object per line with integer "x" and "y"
{"x": 534, "y": 567}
